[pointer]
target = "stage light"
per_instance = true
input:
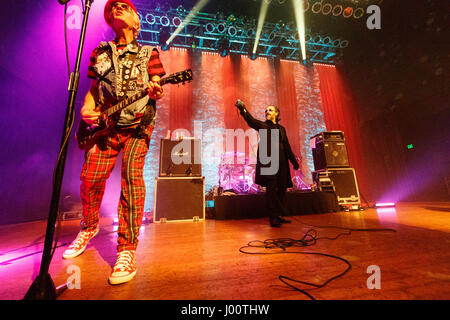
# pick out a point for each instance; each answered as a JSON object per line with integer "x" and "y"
{"x": 337, "y": 10}
{"x": 232, "y": 31}
{"x": 344, "y": 44}
{"x": 150, "y": 18}
{"x": 209, "y": 27}
{"x": 347, "y": 12}
{"x": 410, "y": 146}
{"x": 359, "y": 12}
{"x": 197, "y": 7}
{"x": 272, "y": 35}
{"x": 176, "y": 21}
{"x": 194, "y": 44}
{"x": 316, "y": 7}
{"x": 326, "y": 8}
{"x": 384, "y": 204}
{"x": 305, "y": 5}
{"x": 164, "y": 20}
{"x": 300, "y": 19}
{"x": 261, "y": 19}
{"x": 221, "y": 28}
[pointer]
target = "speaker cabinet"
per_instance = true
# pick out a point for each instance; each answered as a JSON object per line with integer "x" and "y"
{"x": 180, "y": 158}
{"x": 345, "y": 184}
{"x": 329, "y": 150}
{"x": 179, "y": 198}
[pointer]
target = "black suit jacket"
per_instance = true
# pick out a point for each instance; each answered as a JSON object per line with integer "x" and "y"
{"x": 283, "y": 174}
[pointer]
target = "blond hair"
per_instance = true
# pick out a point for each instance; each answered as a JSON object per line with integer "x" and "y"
{"x": 137, "y": 23}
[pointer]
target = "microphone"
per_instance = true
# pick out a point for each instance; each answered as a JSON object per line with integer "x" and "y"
{"x": 239, "y": 104}
{"x": 63, "y": 1}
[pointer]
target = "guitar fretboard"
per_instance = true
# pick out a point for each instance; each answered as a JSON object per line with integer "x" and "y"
{"x": 125, "y": 102}
{"x": 179, "y": 77}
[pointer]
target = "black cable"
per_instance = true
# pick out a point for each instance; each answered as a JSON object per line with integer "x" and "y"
{"x": 65, "y": 39}
{"x": 310, "y": 238}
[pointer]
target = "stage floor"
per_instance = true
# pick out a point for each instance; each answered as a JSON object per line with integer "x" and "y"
{"x": 199, "y": 261}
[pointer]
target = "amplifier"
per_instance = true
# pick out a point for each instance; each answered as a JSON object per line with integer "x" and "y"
{"x": 344, "y": 182}
{"x": 179, "y": 198}
{"x": 329, "y": 150}
{"x": 180, "y": 158}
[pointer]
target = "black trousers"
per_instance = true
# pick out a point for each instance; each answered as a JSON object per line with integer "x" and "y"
{"x": 275, "y": 200}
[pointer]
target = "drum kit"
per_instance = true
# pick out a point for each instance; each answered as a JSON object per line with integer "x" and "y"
{"x": 237, "y": 175}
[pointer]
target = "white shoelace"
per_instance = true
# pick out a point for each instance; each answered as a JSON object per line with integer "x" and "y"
{"x": 124, "y": 261}
{"x": 81, "y": 237}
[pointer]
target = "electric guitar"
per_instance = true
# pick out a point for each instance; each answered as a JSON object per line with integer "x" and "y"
{"x": 87, "y": 135}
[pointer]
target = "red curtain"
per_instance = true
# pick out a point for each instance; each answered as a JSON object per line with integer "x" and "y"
{"x": 287, "y": 103}
{"x": 180, "y": 111}
{"x": 340, "y": 114}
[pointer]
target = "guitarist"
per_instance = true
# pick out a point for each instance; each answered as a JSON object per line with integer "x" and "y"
{"x": 118, "y": 69}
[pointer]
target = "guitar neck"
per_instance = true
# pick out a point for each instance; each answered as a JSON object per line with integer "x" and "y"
{"x": 126, "y": 102}
{"x": 179, "y": 77}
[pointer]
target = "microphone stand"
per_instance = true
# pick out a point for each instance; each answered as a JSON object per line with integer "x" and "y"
{"x": 43, "y": 287}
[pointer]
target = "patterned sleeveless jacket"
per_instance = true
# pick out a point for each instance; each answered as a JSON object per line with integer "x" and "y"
{"x": 109, "y": 64}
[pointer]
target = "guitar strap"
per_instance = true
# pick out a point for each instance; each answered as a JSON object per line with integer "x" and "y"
{"x": 149, "y": 110}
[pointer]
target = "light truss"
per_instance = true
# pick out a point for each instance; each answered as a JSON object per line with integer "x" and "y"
{"x": 216, "y": 33}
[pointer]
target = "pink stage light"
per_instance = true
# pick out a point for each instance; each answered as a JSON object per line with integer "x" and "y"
{"x": 384, "y": 204}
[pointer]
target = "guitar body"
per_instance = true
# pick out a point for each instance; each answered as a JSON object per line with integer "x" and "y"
{"x": 87, "y": 136}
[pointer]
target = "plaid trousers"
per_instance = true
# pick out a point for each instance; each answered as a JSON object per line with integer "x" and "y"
{"x": 98, "y": 165}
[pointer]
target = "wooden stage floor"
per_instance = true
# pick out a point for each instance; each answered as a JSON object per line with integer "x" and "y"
{"x": 202, "y": 261}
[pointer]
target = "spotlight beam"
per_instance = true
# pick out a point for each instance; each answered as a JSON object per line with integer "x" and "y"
{"x": 261, "y": 19}
{"x": 300, "y": 19}
{"x": 197, "y": 7}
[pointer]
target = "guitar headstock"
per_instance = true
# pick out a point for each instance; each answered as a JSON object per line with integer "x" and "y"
{"x": 179, "y": 77}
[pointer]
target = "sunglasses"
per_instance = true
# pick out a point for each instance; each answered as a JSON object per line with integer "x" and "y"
{"x": 123, "y": 6}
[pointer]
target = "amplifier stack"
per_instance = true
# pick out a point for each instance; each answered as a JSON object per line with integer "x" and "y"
{"x": 332, "y": 169}
{"x": 180, "y": 187}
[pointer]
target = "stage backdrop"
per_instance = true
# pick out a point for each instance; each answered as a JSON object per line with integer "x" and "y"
{"x": 205, "y": 107}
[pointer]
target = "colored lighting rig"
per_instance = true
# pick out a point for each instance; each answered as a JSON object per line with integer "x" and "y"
{"x": 227, "y": 35}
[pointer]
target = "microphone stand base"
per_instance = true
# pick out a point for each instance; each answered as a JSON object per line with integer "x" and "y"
{"x": 42, "y": 288}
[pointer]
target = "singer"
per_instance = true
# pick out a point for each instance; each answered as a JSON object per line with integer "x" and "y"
{"x": 120, "y": 68}
{"x": 276, "y": 182}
